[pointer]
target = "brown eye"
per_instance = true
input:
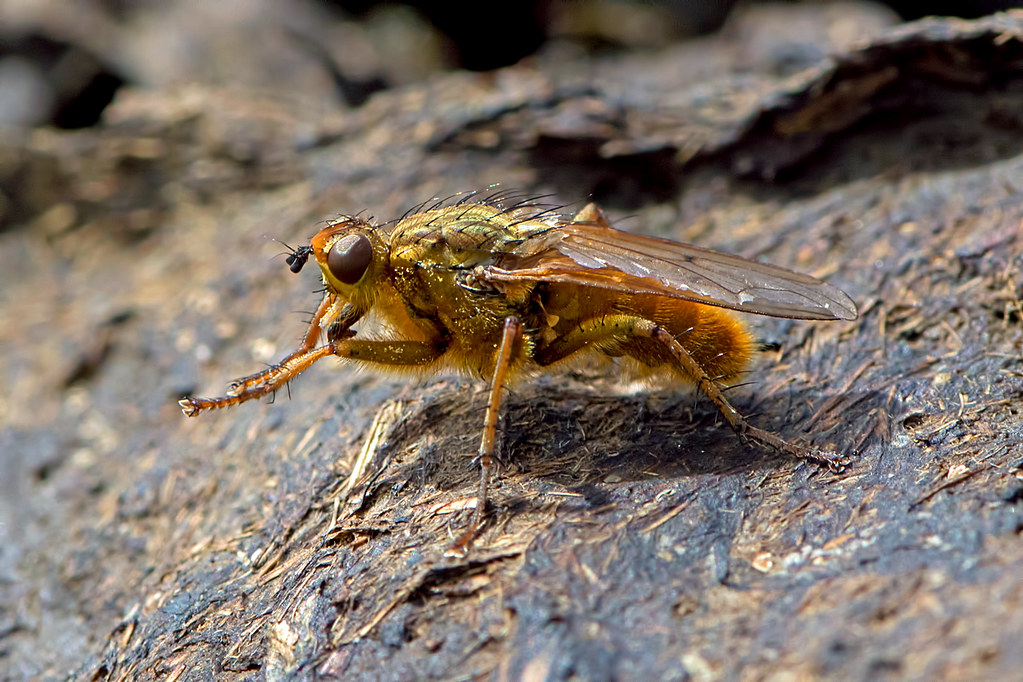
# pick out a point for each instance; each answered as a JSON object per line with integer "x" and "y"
{"x": 349, "y": 258}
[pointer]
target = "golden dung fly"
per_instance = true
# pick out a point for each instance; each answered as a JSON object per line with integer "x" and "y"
{"x": 499, "y": 286}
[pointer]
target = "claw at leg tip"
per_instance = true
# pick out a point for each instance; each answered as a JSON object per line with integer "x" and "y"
{"x": 188, "y": 407}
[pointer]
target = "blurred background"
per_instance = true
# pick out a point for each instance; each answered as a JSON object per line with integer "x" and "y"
{"x": 62, "y": 63}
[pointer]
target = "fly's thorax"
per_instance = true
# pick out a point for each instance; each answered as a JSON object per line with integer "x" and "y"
{"x": 465, "y": 235}
{"x": 353, "y": 257}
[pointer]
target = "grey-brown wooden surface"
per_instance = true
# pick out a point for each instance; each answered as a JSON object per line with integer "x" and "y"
{"x": 633, "y": 536}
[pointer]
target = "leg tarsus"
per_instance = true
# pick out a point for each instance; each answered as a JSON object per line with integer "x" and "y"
{"x": 834, "y": 461}
{"x": 464, "y": 542}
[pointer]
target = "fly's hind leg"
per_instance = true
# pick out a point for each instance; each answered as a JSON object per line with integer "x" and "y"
{"x": 621, "y": 329}
{"x": 712, "y": 389}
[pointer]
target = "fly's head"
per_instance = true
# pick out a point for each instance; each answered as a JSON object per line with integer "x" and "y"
{"x": 352, "y": 256}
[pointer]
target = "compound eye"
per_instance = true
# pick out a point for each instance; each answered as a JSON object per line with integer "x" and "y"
{"x": 349, "y": 257}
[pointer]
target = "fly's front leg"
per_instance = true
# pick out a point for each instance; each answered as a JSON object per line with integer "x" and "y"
{"x": 510, "y": 339}
{"x": 312, "y": 335}
{"x": 272, "y": 380}
{"x": 331, "y": 315}
{"x": 621, "y": 329}
{"x": 401, "y": 353}
{"x": 330, "y": 312}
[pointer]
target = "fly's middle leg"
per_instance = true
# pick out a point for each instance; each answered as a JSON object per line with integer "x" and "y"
{"x": 510, "y": 339}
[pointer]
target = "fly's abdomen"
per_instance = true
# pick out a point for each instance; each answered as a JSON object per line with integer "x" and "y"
{"x": 716, "y": 338}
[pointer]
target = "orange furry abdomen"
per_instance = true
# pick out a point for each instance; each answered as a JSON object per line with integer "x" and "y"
{"x": 715, "y": 337}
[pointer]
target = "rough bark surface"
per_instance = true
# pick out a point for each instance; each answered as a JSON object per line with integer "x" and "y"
{"x": 632, "y": 535}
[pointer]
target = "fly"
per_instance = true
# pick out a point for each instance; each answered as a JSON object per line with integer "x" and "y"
{"x": 497, "y": 287}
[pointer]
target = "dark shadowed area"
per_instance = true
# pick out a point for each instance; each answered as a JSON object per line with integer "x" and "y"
{"x": 631, "y": 534}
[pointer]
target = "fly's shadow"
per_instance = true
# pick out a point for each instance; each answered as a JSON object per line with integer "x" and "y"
{"x": 560, "y": 439}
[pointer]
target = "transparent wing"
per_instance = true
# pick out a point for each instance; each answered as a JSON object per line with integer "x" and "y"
{"x": 598, "y": 256}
